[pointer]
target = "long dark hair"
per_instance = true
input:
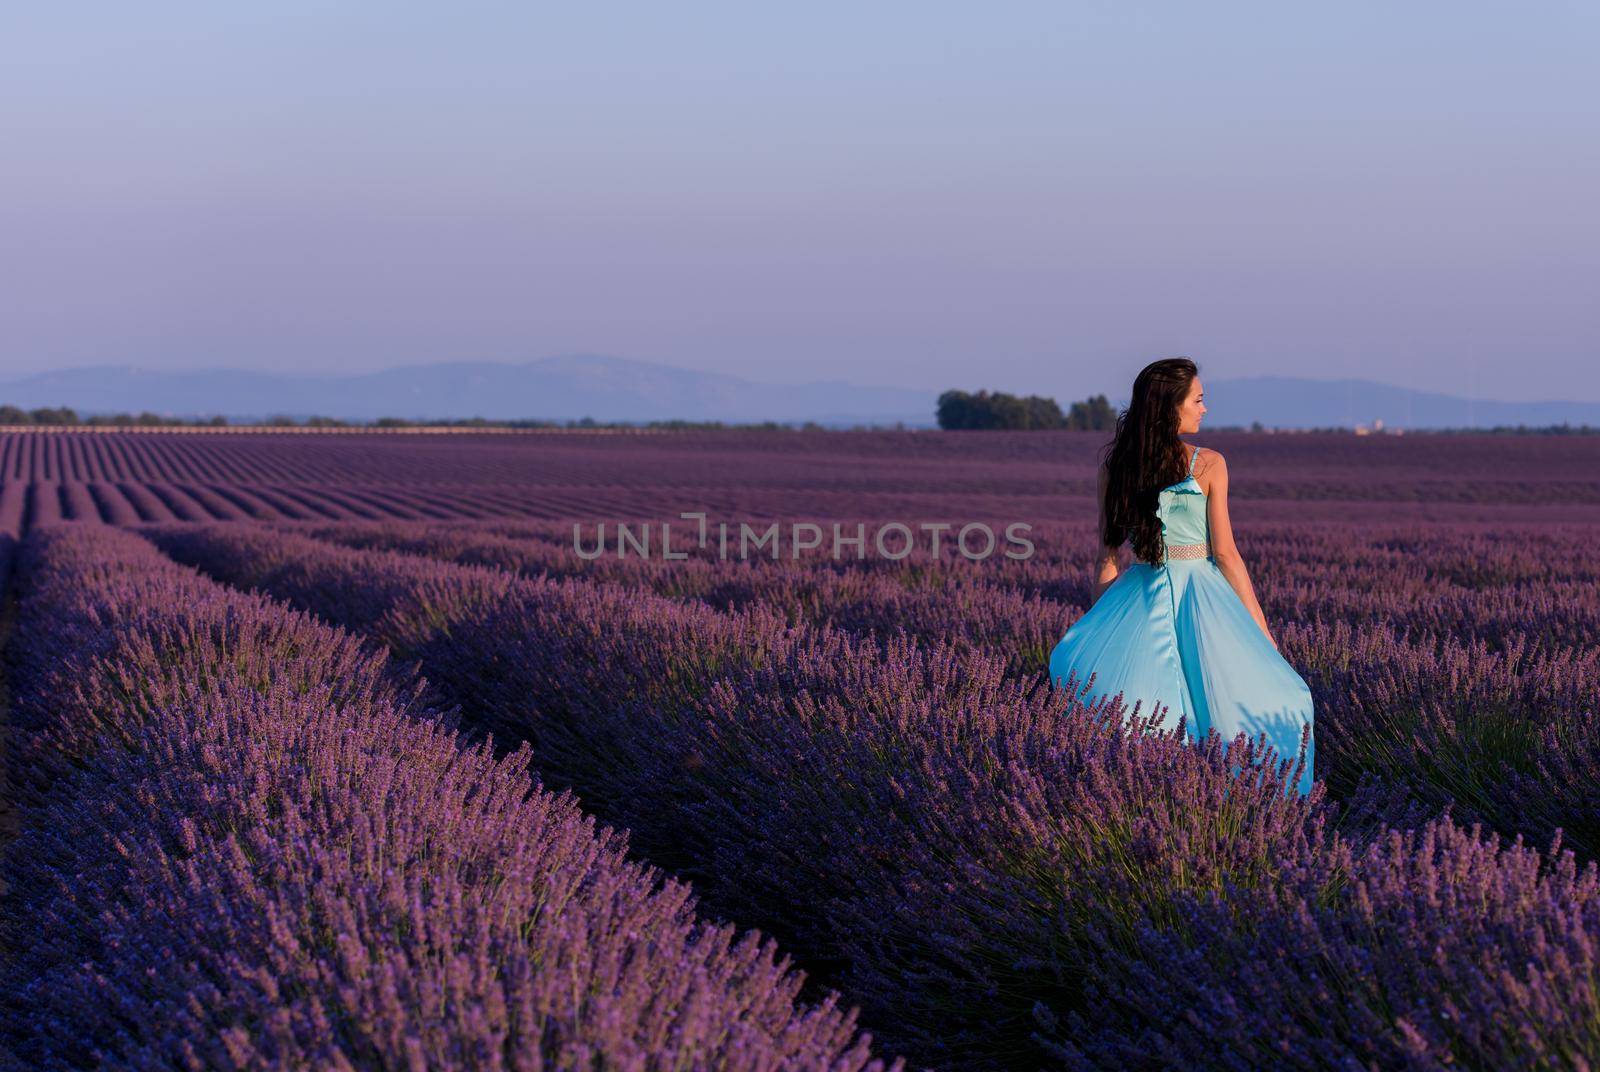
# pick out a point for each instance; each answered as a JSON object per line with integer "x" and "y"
{"x": 1146, "y": 456}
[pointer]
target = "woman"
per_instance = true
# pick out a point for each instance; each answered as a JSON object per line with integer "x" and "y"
{"x": 1181, "y": 627}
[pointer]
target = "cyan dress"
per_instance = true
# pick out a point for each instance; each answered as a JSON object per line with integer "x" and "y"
{"x": 1178, "y": 636}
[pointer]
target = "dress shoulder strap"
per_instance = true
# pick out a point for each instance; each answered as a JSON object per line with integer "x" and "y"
{"x": 1192, "y": 457}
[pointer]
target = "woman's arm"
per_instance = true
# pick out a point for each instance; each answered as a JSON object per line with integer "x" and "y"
{"x": 1106, "y": 565}
{"x": 1214, "y": 483}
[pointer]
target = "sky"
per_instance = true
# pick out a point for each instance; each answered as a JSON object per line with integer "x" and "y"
{"x": 1037, "y": 197}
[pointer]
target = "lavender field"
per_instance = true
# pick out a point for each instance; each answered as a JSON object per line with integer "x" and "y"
{"x": 332, "y": 752}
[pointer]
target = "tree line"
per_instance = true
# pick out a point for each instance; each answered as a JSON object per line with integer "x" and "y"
{"x": 65, "y": 415}
{"x": 957, "y": 410}
{"x": 986, "y": 409}
{"x": 59, "y": 416}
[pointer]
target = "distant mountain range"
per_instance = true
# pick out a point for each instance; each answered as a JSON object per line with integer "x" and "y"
{"x": 606, "y": 388}
{"x": 554, "y": 388}
{"x": 1290, "y": 402}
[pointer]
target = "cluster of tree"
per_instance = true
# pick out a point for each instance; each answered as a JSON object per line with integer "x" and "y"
{"x": 65, "y": 415}
{"x": 1093, "y": 415}
{"x": 960, "y": 409}
{"x": 42, "y": 415}
{"x": 1564, "y": 428}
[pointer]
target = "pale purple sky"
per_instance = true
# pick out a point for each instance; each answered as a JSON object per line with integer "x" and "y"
{"x": 1028, "y": 196}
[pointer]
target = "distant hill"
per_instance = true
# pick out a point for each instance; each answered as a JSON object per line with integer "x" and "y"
{"x": 606, "y": 388}
{"x": 1290, "y": 402}
{"x": 554, "y": 388}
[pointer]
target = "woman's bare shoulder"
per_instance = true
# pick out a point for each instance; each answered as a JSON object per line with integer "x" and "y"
{"x": 1209, "y": 464}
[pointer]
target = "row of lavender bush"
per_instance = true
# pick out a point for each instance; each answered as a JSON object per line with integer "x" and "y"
{"x": 1539, "y": 595}
{"x": 1019, "y": 628}
{"x": 1537, "y": 584}
{"x": 1500, "y": 727}
{"x": 998, "y": 876}
{"x": 1537, "y": 588}
{"x": 248, "y": 843}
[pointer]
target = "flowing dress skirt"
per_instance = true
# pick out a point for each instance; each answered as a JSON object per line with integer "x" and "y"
{"x": 1179, "y": 636}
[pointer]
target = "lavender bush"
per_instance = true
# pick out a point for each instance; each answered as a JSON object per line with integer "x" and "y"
{"x": 867, "y": 599}
{"x": 247, "y": 844}
{"x": 913, "y": 818}
{"x": 966, "y": 852}
{"x": 1469, "y": 711}
{"x": 1427, "y": 949}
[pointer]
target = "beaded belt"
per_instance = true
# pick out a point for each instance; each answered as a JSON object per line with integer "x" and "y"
{"x": 1187, "y": 550}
